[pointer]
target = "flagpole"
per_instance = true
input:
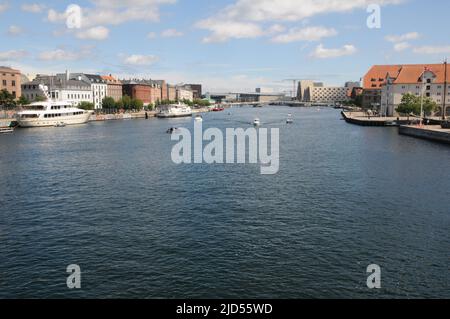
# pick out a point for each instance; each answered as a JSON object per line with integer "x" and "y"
{"x": 444, "y": 113}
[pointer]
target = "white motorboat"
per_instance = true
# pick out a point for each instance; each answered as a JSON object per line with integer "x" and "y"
{"x": 174, "y": 110}
{"x": 290, "y": 120}
{"x": 256, "y": 122}
{"x": 42, "y": 114}
{"x": 6, "y": 130}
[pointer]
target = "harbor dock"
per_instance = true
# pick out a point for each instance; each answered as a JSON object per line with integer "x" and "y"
{"x": 363, "y": 119}
{"x": 431, "y": 132}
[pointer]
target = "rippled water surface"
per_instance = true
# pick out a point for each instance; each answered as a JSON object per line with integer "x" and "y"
{"x": 106, "y": 196}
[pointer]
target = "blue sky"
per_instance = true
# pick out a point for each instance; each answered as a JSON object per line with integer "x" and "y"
{"x": 227, "y": 45}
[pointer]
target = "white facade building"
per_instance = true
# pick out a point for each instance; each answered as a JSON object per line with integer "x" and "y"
{"x": 419, "y": 80}
{"x": 99, "y": 87}
{"x": 184, "y": 94}
{"x": 57, "y": 89}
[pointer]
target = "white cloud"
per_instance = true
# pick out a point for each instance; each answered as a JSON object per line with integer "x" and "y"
{"x": 115, "y": 12}
{"x": 224, "y": 30}
{"x": 432, "y": 50}
{"x": 403, "y": 37}
{"x": 401, "y": 46}
{"x": 95, "y": 33}
{"x": 276, "y": 28}
{"x": 12, "y": 55}
{"x": 137, "y": 59}
{"x": 3, "y": 6}
{"x": 171, "y": 33}
{"x": 33, "y": 7}
{"x": 251, "y": 14}
{"x": 323, "y": 53}
{"x": 63, "y": 55}
{"x": 304, "y": 34}
{"x": 14, "y": 30}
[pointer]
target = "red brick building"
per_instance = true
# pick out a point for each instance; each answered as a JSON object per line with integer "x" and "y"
{"x": 148, "y": 92}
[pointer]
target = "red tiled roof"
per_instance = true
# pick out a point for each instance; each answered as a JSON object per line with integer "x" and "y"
{"x": 411, "y": 74}
{"x": 403, "y": 74}
{"x": 376, "y": 76}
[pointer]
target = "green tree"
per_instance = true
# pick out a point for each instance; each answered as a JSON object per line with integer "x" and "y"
{"x": 119, "y": 104}
{"x": 86, "y": 106}
{"x": 40, "y": 98}
{"x": 137, "y": 104}
{"x": 202, "y": 103}
{"x": 6, "y": 99}
{"x": 409, "y": 105}
{"x": 108, "y": 103}
{"x": 126, "y": 101}
{"x": 23, "y": 101}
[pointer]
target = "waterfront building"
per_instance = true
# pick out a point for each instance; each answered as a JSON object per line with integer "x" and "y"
{"x": 164, "y": 89}
{"x": 328, "y": 94}
{"x": 147, "y": 91}
{"x": 99, "y": 87}
{"x": 57, "y": 88}
{"x": 426, "y": 80}
{"x": 261, "y": 97}
{"x": 171, "y": 92}
{"x": 184, "y": 94}
{"x": 305, "y": 89}
{"x": 10, "y": 80}
{"x": 114, "y": 89}
{"x": 372, "y": 84}
{"x": 196, "y": 90}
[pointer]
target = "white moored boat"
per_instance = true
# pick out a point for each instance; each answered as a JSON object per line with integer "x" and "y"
{"x": 41, "y": 114}
{"x": 174, "y": 110}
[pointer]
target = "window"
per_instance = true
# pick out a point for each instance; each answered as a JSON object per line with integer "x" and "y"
{"x": 13, "y": 83}
{"x": 428, "y": 94}
{"x": 428, "y": 87}
{"x": 4, "y": 82}
{"x": 428, "y": 80}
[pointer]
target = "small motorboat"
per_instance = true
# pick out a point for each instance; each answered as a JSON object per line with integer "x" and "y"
{"x": 198, "y": 118}
{"x": 290, "y": 120}
{"x": 256, "y": 123}
{"x": 218, "y": 109}
{"x": 6, "y": 130}
{"x": 171, "y": 130}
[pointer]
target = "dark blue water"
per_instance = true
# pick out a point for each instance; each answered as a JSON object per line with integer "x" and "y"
{"x": 106, "y": 196}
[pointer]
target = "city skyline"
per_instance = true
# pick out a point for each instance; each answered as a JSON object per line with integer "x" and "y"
{"x": 227, "y": 45}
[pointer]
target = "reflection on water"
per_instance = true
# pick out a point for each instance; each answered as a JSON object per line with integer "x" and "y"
{"x": 107, "y": 196}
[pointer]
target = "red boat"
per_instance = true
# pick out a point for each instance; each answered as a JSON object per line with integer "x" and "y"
{"x": 218, "y": 109}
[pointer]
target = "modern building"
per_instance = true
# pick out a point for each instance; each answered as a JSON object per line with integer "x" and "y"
{"x": 426, "y": 80}
{"x": 196, "y": 90}
{"x": 114, "y": 89}
{"x": 10, "y": 80}
{"x": 304, "y": 89}
{"x": 58, "y": 89}
{"x": 261, "y": 97}
{"x": 328, "y": 94}
{"x": 222, "y": 97}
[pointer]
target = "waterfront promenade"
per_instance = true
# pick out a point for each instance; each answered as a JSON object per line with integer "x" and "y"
{"x": 432, "y": 132}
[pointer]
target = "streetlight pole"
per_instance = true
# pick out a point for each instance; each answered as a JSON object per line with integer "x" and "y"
{"x": 444, "y": 117}
{"x": 421, "y": 100}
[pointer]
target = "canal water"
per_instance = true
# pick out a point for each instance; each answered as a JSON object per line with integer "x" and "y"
{"x": 107, "y": 197}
